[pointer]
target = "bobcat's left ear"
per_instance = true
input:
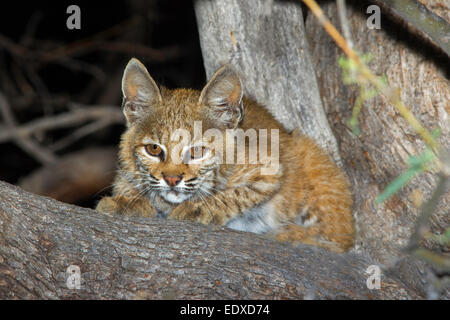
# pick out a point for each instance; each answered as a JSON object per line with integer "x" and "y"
{"x": 223, "y": 97}
{"x": 140, "y": 91}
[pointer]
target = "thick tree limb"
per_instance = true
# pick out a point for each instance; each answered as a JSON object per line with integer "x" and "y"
{"x": 127, "y": 258}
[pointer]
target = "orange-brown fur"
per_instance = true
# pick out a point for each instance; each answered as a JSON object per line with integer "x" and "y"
{"x": 308, "y": 184}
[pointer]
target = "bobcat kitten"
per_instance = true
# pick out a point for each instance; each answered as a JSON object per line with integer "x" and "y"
{"x": 306, "y": 198}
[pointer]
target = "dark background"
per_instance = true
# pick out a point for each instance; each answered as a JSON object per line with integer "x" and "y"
{"x": 90, "y": 62}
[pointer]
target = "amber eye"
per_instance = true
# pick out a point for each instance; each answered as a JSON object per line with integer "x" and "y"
{"x": 154, "y": 150}
{"x": 197, "y": 152}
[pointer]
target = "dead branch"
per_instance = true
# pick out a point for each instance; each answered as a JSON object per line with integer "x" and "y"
{"x": 40, "y": 153}
{"x": 78, "y": 115}
{"x": 63, "y": 55}
{"x": 81, "y": 133}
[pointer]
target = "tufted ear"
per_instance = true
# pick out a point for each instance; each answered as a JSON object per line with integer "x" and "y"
{"x": 222, "y": 95}
{"x": 139, "y": 90}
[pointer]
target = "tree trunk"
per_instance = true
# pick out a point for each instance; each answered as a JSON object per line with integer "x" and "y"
{"x": 265, "y": 41}
{"x": 380, "y": 153}
{"x": 139, "y": 258}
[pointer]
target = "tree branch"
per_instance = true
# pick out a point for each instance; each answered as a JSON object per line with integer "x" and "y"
{"x": 40, "y": 153}
{"x": 77, "y": 116}
{"x": 420, "y": 18}
{"x": 132, "y": 258}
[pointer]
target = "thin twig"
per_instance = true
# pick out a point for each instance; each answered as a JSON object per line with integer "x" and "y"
{"x": 41, "y": 87}
{"x": 81, "y": 45}
{"x": 94, "y": 42}
{"x": 342, "y": 11}
{"x": 77, "y": 116}
{"x": 90, "y": 44}
{"x": 82, "y": 132}
{"x": 156, "y": 55}
{"x": 30, "y": 28}
{"x": 81, "y": 66}
{"x": 40, "y": 153}
{"x": 13, "y": 48}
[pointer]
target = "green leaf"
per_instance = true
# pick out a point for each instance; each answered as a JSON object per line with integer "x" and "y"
{"x": 370, "y": 93}
{"x": 436, "y": 133}
{"x": 354, "y": 125}
{"x": 397, "y": 184}
{"x": 417, "y": 164}
{"x": 366, "y": 57}
{"x": 441, "y": 239}
{"x": 420, "y": 161}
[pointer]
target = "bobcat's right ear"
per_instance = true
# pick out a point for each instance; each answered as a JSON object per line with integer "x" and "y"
{"x": 139, "y": 90}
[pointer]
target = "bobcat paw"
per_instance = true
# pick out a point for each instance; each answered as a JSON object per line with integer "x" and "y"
{"x": 108, "y": 205}
{"x": 192, "y": 212}
{"x": 126, "y": 206}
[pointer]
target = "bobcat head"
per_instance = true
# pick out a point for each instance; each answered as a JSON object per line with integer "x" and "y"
{"x": 164, "y": 150}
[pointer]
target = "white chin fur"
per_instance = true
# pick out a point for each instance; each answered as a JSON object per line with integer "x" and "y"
{"x": 172, "y": 197}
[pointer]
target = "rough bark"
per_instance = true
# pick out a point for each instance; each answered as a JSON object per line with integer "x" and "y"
{"x": 265, "y": 41}
{"x": 380, "y": 153}
{"x": 139, "y": 258}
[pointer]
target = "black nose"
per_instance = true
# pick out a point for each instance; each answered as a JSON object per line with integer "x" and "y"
{"x": 172, "y": 180}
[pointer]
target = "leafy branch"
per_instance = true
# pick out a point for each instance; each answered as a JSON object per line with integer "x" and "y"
{"x": 356, "y": 71}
